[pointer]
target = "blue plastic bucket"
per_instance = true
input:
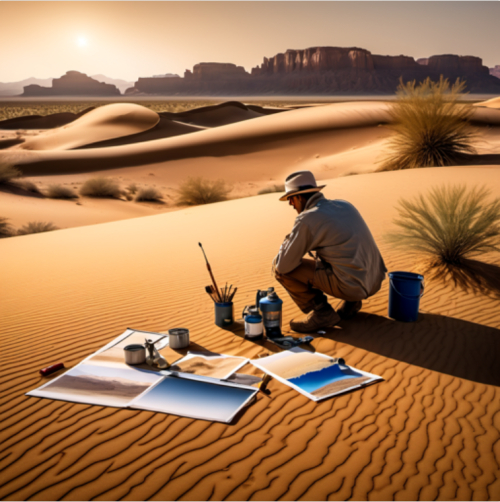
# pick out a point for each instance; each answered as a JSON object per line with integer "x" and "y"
{"x": 405, "y": 291}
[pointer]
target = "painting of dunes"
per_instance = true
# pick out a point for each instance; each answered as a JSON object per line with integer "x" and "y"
{"x": 98, "y": 385}
{"x": 315, "y": 375}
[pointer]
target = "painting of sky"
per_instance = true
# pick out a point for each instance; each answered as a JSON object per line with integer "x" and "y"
{"x": 196, "y": 399}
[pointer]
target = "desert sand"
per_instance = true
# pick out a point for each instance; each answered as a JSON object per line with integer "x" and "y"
{"x": 430, "y": 430}
{"x": 201, "y": 366}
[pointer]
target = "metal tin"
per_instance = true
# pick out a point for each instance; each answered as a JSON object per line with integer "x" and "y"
{"x": 178, "y": 338}
{"x": 135, "y": 354}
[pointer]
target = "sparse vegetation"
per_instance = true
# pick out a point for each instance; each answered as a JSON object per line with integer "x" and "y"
{"x": 35, "y": 227}
{"x": 5, "y": 228}
{"x": 8, "y": 173}
{"x": 101, "y": 187}
{"x": 198, "y": 190}
{"x": 132, "y": 188}
{"x": 272, "y": 189}
{"x": 60, "y": 192}
{"x": 449, "y": 224}
{"x": 432, "y": 128}
{"x": 26, "y": 185}
{"x": 149, "y": 194}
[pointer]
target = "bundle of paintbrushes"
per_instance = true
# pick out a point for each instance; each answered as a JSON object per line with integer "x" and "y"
{"x": 225, "y": 295}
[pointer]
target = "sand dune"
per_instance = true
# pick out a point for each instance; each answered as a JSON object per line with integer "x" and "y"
{"x": 431, "y": 430}
{"x": 102, "y": 123}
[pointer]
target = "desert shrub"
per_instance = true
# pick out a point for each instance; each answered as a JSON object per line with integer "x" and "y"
{"x": 132, "y": 188}
{"x": 5, "y": 228}
{"x": 101, "y": 187}
{"x": 150, "y": 194}
{"x": 272, "y": 189}
{"x": 431, "y": 127}
{"x": 27, "y": 186}
{"x": 448, "y": 224}
{"x": 35, "y": 227}
{"x": 8, "y": 173}
{"x": 60, "y": 192}
{"x": 195, "y": 191}
{"x": 129, "y": 196}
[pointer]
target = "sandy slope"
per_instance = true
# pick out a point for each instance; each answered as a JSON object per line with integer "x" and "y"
{"x": 254, "y": 149}
{"x": 431, "y": 430}
{"x": 103, "y": 123}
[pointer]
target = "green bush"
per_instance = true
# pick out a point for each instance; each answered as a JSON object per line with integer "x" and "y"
{"x": 449, "y": 224}
{"x": 60, "y": 192}
{"x": 149, "y": 194}
{"x": 8, "y": 173}
{"x": 272, "y": 189}
{"x": 101, "y": 187}
{"x": 195, "y": 191}
{"x": 35, "y": 227}
{"x": 5, "y": 228}
{"x": 431, "y": 127}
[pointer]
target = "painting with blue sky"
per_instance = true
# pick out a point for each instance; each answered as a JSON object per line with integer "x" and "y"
{"x": 218, "y": 402}
{"x": 315, "y": 375}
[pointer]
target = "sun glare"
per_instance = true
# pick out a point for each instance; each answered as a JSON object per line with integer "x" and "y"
{"x": 82, "y": 42}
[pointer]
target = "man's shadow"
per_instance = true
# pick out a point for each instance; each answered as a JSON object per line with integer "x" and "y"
{"x": 438, "y": 343}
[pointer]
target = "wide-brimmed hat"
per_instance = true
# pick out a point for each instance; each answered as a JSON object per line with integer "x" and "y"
{"x": 300, "y": 182}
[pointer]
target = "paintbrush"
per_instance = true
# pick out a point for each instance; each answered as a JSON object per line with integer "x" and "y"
{"x": 234, "y": 292}
{"x": 211, "y": 275}
{"x": 208, "y": 289}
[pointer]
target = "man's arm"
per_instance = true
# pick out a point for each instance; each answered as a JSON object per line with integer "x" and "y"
{"x": 296, "y": 244}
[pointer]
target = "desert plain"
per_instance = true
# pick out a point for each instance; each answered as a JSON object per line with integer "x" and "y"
{"x": 430, "y": 430}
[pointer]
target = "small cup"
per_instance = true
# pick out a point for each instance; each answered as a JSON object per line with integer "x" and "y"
{"x": 224, "y": 314}
{"x": 135, "y": 354}
{"x": 178, "y": 338}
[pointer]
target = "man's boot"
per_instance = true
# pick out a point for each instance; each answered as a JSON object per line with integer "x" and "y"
{"x": 320, "y": 318}
{"x": 349, "y": 309}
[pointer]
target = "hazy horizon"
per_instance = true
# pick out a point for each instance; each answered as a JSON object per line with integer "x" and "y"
{"x": 128, "y": 40}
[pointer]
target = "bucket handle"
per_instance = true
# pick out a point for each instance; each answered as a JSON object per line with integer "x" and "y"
{"x": 422, "y": 290}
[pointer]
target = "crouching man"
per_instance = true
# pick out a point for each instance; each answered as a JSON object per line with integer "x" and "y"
{"x": 347, "y": 263}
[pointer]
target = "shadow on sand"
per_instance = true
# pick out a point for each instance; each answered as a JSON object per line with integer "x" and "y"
{"x": 471, "y": 276}
{"x": 459, "y": 348}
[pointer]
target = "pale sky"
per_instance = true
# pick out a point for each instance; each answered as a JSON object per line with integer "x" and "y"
{"x": 138, "y": 39}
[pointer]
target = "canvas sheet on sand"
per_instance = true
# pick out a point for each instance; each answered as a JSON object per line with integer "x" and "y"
{"x": 315, "y": 375}
{"x": 196, "y": 390}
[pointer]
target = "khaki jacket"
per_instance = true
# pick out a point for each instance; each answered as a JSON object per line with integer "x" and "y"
{"x": 336, "y": 231}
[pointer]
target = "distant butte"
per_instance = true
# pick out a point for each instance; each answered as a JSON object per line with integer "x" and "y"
{"x": 320, "y": 71}
{"x": 73, "y": 83}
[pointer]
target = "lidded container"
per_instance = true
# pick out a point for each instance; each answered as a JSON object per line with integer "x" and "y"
{"x": 254, "y": 327}
{"x": 271, "y": 308}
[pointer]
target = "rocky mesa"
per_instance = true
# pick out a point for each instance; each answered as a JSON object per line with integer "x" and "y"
{"x": 73, "y": 83}
{"x": 321, "y": 71}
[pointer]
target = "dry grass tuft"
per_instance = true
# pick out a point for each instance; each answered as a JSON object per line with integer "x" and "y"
{"x": 431, "y": 127}
{"x": 149, "y": 194}
{"x": 272, "y": 189}
{"x": 8, "y": 173}
{"x": 449, "y": 224}
{"x": 60, "y": 192}
{"x": 5, "y": 229}
{"x": 101, "y": 187}
{"x": 132, "y": 188}
{"x": 35, "y": 227}
{"x": 27, "y": 186}
{"x": 196, "y": 191}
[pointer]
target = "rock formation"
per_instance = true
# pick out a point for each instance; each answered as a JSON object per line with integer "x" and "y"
{"x": 495, "y": 71}
{"x": 73, "y": 83}
{"x": 321, "y": 71}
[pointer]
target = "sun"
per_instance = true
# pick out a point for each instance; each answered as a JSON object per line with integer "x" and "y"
{"x": 82, "y": 42}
